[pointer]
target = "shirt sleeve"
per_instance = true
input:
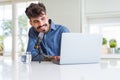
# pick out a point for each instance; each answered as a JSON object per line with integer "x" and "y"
{"x": 65, "y": 30}
{"x": 30, "y": 47}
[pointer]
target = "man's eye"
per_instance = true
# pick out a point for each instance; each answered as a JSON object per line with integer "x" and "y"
{"x": 36, "y": 21}
{"x": 43, "y": 18}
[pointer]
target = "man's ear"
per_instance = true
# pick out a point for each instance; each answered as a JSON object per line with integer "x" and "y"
{"x": 30, "y": 22}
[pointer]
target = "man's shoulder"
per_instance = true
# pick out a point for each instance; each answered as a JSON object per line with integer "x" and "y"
{"x": 31, "y": 29}
{"x": 58, "y": 27}
{"x": 61, "y": 27}
{"x": 32, "y": 32}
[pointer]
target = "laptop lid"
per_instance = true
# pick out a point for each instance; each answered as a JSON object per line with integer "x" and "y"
{"x": 80, "y": 48}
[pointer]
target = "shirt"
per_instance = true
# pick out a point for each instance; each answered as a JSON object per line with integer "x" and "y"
{"x": 51, "y": 41}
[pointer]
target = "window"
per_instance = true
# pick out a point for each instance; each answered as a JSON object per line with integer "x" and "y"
{"x": 6, "y": 27}
{"x": 109, "y": 27}
{"x": 23, "y": 27}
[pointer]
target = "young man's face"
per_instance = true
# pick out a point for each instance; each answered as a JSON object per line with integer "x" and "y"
{"x": 40, "y": 23}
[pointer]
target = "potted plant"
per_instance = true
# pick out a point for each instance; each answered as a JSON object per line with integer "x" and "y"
{"x": 104, "y": 45}
{"x": 104, "y": 41}
{"x": 118, "y": 50}
{"x": 112, "y": 44}
{"x": 1, "y": 45}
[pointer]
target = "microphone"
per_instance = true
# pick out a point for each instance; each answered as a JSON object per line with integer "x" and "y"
{"x": 39, "y": 39}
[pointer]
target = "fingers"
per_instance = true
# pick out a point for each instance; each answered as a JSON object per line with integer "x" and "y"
{"x": 55, "y": 58}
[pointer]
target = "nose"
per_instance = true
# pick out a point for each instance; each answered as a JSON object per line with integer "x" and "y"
{"x": 40, "y": 23}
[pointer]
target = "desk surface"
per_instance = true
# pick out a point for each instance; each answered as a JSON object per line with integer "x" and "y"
{"x": 105, "y": 70}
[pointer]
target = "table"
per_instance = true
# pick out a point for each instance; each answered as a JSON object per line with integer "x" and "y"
{"x": 105, "y": 70}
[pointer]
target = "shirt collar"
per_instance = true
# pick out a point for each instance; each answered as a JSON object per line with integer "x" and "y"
{"x": 52, "y": 25}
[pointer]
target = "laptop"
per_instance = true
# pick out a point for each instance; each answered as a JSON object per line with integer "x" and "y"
{"x": 79, "y": 48}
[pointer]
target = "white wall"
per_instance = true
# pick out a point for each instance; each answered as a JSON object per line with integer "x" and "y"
{"x": 102, "y": 7}
{"x": 71, "y": 12}
{"x": 95, "y": 6}
{"x": 65, "y": 12}
{"x": 101, "y": 11}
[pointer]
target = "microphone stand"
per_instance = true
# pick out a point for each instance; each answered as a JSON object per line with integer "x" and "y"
{"x": 45, "y": 57}
{"x": 39, "y": 52}
{"x": 37, "y": 46}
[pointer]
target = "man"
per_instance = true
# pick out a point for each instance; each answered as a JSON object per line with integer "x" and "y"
{"x": 51, "y": 40}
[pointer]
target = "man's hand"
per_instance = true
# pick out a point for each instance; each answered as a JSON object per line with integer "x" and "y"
{"x": 55, "y": 58}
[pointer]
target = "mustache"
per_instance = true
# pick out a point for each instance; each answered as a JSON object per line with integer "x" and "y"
{"x": 41, "y": 26}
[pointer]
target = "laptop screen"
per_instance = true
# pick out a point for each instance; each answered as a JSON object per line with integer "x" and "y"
{"x": 80, "y": 48}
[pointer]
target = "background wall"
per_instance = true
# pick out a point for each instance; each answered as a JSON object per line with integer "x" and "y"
{"x": 75, "y": 13}
{"x": 95, "y": 6}
{"x": 98, "y": 8}
{"x": 65, "y": 12}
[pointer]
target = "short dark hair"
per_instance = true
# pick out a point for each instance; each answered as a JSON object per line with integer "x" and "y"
{"x": 35, "y": 10}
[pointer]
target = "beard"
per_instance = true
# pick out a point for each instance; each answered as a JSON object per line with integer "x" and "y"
{"x": 41, "y": 26}
{"x": 44, "y": 30}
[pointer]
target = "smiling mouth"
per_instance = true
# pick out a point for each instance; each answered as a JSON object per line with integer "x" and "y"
{"x": 41, "y": 26}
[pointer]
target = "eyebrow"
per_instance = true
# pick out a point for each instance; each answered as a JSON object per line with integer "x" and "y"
{"x": 35, "y": 20}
